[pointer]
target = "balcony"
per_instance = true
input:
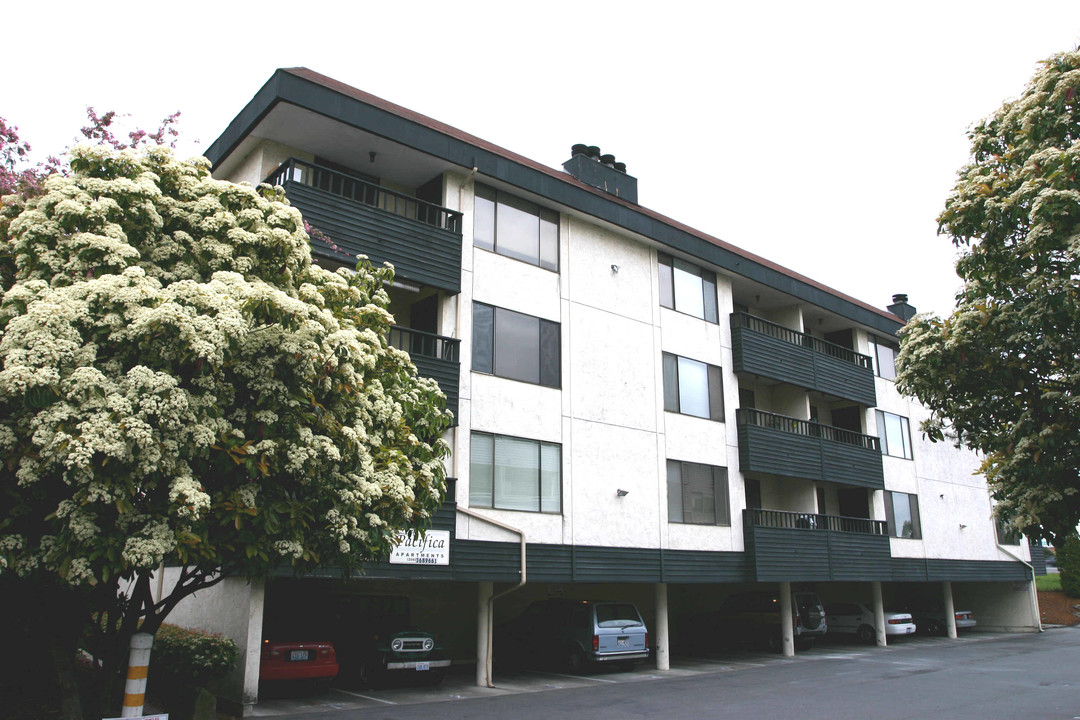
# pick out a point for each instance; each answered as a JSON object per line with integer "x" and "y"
{"x": 421, "y": 240}
{"x": 435, "y": 357}
{"x": 785, "y": 546}
{"x": 766, "y": 349}
{"x": 788, "y": 447}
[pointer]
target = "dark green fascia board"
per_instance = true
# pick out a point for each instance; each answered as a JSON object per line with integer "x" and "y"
{"x": 285, "y": 86}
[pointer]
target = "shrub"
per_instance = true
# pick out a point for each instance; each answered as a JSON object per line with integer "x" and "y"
{"x": 1069, "y": 566}
{"x": 191, "y": 657}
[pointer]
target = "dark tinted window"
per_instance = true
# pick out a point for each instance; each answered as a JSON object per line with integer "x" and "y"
{"x": 516, "y": 346}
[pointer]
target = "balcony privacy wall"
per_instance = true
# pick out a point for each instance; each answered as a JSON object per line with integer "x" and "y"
{"x": 776, "y": 451}
{"x": 420, "y": 252}
{"x": 820, "y": 554}
{"x": 769, "y": 350}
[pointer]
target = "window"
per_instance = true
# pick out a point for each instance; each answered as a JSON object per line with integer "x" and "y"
{"x": 687, "y": 288}
{"x": 895, "y": 434}
{"x": 515, "y": 346}
{"x": 902, "y": 515}
{"x": 693, "y": 388}
{"x": 515, "y": 228}
{"x": 883, "y": 354}
{"x": 1006, "y": 535}
{"x": 697, "y": 494}
{"x": 512, "y": 473}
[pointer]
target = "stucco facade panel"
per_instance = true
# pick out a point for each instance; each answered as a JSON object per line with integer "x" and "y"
{"x": 591, "y": 252}
{"x": 612, "y": 369}
{"x": 695, "y": 439}
{"x": 509, "y": 407}
{"x": 515, "y": 285}
{"x": 608, "y": 458}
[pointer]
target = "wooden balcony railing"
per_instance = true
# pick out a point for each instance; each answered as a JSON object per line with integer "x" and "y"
{"x": 362, "y": 191}
{"x": 755, "y": 517}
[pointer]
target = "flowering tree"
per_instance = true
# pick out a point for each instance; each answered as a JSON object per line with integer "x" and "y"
{"x": 1002, "y": 373}
{"x": 180, "y": 385}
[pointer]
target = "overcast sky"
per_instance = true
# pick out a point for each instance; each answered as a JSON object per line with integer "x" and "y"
{"x": 823, "y": 136}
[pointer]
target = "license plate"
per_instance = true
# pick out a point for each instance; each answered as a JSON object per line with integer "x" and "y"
{"x": 423, "y": 666}
{"x": 623, "y": 641}
{"x": 295, "y": 655}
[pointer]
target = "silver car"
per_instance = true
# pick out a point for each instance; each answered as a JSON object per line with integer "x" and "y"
{"x": 857, "y": 619}
{"x": 574, "y": 634}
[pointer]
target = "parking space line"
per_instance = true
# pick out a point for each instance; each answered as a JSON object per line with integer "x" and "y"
{"x": 366, "y": 697}
{"x": 576, "y": 677}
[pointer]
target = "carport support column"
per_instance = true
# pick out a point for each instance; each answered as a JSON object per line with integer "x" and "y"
{"x": 663, "y": 659}
{"x": 787, "y": 627}
{"x": 879, "y": 613}
{"x": 483, "y": 626}
{"x": 950, "y": 609}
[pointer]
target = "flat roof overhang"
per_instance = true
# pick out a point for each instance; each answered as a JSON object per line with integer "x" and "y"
{"x": 302, "y": 108}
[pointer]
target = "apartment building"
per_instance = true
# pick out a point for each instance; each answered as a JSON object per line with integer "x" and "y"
{"x": 642, "y": 411}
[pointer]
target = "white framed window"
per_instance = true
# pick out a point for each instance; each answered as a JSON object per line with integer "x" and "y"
{"x": 697, "y": 494}
{"x": 511, "y": 473}
{"x": 894, "y": 432}
{"x": 902, "y": 515}
{"x": 692, "y": 387}
{"x": 515, "y": 228}
{"x": 687, "y": 288}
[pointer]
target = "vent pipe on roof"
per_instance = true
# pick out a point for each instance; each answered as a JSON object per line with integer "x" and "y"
{"x": 901, "y": 308}
{"x": 601, "y": 171}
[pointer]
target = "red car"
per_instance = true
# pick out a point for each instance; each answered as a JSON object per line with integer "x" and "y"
{"x": 310, "y": 661}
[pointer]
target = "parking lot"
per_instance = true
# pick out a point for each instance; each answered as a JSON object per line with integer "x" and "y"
{"x": 461, "y": 684}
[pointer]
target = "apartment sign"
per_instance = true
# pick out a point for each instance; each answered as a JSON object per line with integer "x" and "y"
{"x": 414, "y": 548}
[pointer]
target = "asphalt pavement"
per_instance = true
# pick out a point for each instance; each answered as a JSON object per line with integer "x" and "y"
{"x": 988, "y": 676}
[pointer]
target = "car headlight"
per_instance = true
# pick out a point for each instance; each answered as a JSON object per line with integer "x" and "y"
{"x": 429, "y": 643}
{"x": 395, "y": 644}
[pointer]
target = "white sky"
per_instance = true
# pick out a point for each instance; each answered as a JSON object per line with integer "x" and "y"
{"x": 823, "y": 136}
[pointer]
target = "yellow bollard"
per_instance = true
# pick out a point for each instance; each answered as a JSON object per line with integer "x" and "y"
{"x": 138, "y": 666}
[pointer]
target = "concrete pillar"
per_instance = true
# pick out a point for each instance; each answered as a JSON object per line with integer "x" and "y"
{"x": 787, "y": 626}
{"x": 663, "y": 658}
{"x": 483, "y": 628}
{"x": 950, "y": 609}
{"x": 879, "y": 614}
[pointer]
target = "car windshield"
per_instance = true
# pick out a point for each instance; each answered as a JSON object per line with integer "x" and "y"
{"x": 617, "y": 614}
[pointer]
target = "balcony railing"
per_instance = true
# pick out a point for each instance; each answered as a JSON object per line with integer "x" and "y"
{"x": 794, "y": 337}
{"x": 362, "y": 191}
{"x": 424, "y": 344}
{"x": 795, "y": 426}
{"x": 755, "y": 517}
{"x": 435, "y": 357}
{"x": 810, "y": 547}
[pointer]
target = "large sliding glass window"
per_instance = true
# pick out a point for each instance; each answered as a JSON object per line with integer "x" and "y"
{"x": 883, "y": 353}
{"x": 687, "y": 288}
{"x": 697, "y": 494}
{"x": 510, "y": 473}
{"x": 693, "y": 388}
{"x": 515, "y": 228}
{"x": 894, "y": 432}
{"x": 515, "y": 345}
{"x": 902, "y": 515}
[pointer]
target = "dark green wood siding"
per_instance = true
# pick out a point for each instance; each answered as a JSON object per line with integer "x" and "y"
{"x": 782, "y": 554}
{"x": 445, "y": 372}
{"x": 761, "y": 354}
{"x": 776, "y": 452}
{"x": 419, "y": 252}
{"x": 1038, "y": 557}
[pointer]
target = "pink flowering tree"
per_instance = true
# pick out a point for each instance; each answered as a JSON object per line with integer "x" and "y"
{"x": 179, "y": 385}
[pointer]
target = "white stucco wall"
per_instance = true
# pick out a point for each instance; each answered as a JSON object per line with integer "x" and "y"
{"x": 233, "y": 607}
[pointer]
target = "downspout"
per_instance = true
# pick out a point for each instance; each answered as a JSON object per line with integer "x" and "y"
{"x": 491, "y": 600}
{"x": 1034, "y": 593}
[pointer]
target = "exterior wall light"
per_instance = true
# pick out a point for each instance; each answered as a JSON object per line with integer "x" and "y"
{"x": 621, "y": 493}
